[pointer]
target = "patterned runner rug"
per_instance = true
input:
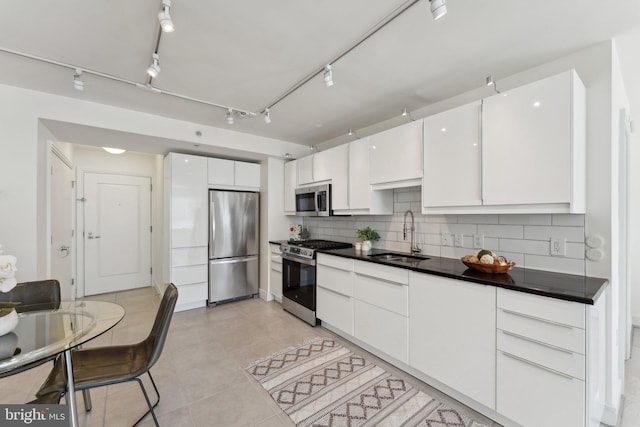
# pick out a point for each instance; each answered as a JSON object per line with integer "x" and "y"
{"x": 322, "y": 384}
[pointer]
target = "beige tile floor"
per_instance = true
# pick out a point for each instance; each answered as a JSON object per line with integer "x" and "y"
{"x": 201, "y": 373}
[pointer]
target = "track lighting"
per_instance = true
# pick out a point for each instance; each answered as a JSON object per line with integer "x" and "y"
{"x": 328, "y": 75}
{"x": 350, "y": 133}
{"x": 229, "y": 116}
{"x": 154, "y": 68}
{"x": 438, "y": 8}
{"x": 405, "y": 113}
{"x": 78, "y": 84}
{"x": 267, "y": 116}
{"x": 165, "y": 18}
{"x": 491, "y": 82}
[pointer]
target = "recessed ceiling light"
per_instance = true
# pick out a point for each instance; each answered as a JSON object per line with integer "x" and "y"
{"x": 113, "y": 150}
{"x": 443, "y": 130}
{"x": 536, "y": 104}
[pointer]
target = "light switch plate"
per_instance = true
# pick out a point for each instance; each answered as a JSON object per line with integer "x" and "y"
{"x": 447, "y": 239}
{"x": 478, "y": 241}
{"x": 457, "y": 240}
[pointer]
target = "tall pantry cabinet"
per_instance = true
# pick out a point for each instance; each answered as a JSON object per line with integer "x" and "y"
{"x": 186, "y": 227}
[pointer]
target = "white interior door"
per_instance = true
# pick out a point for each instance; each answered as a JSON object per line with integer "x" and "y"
{"x": 62, "y": 195}
{"x": 117, "y": 232}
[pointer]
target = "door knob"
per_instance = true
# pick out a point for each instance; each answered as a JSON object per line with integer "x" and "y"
{"x": 91, "y": 236}
{"x": 65, "y": 250}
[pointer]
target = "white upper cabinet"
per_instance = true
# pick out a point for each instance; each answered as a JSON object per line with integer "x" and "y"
{"x": 534, "y": 145}
{"x": 247, "y": 175}
{"x": 189, "y": 201}
{"x": 396, "y": 157}
{"x": 362, "y": 199}
{"x": 290, "y": 184}
{"x": 222, "y": 173}
{"x": 305, "y": 170}
{"x": 452, "y": 158}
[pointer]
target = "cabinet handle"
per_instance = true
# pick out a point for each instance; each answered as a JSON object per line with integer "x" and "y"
{"x": 528, "y": 362}
{"x": 528, "y": 316}
{"x": 381, "y": 280}
{"x": 333, "y": 291}
{"x": 551, "y": 346}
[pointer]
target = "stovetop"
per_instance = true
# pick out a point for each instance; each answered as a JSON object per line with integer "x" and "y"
{"x": 308, "y": 248}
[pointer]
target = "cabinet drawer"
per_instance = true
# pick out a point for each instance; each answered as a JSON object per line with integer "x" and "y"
{"x": 275, "y": 249}
{"x": 276, "y": 266}
{"x": 339, "y": 281}
{"x": 564, "y": 336}
{"x": 188, "y": 275}
{"x": 335, "y": 262}
{"x": 191, "y": 294}
{"x": 182, "y": 257}
{"x": 555, "y": 310}
{"x": 536, "y": 397}
{"x": 392, "y": 274}
{"x": 276, "y": 259}
{"x": 382, "y": 329}
{"x": 388, "y": 295}
{"x": 557, "y": 359}
{"x": 335, "y": 309}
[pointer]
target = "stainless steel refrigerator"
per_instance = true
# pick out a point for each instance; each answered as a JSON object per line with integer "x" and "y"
{"x": 233, "y": 245}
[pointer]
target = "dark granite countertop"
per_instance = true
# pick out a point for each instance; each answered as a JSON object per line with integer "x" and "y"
{"x": 568, "y": 287}
{"x": 278, "y": 242}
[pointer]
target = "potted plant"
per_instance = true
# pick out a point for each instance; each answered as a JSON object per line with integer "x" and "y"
{"x": 367, "y": 236}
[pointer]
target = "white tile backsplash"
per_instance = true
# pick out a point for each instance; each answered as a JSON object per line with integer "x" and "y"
{"x": 523, "y": 239}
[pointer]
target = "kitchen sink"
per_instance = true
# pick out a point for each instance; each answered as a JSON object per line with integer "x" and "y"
{"x": 399, "y": 258}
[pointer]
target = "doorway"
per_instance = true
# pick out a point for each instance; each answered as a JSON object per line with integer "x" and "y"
{"x": 117, "y": 232}
{"x": 62, "y": 194}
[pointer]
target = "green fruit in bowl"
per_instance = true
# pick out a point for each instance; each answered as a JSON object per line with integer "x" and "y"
{"x": 484, "y": 252}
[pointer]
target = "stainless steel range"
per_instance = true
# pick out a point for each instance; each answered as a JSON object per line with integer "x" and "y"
{"x": 299, "y": 276}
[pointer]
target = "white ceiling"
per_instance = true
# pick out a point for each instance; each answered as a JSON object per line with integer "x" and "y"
{"x": 245, "y": 54}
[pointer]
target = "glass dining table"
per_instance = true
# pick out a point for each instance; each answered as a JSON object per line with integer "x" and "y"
{"x": 42, "y": 334}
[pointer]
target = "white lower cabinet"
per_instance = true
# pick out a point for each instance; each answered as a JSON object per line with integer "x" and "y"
{"x": 334, "y": 292}
{"x": 275, "y": 272}
{"x": 452, "y": 334}
{"x": 542, "y": 363}
{"x": 534, "y": 396}
{"x": 381, "y": 329}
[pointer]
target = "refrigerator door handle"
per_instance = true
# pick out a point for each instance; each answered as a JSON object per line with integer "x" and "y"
{"x": 212, "y": 227}
{"x": 233, "y": 260}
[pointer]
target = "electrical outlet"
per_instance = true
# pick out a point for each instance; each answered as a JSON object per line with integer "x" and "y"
{"x": 478, "y": 241}
{"x": 457, "y": 240}
{"x": 447, "y": 239}
{"x": 558, "y": 246}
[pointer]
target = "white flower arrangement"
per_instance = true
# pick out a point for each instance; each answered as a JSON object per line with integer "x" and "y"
{"x": 7, "y": 272}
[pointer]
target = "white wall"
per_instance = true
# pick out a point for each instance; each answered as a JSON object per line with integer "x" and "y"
{"x": 22, "y": 163}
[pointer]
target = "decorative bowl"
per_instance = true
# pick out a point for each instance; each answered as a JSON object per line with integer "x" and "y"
{"x": 488, "y": 268}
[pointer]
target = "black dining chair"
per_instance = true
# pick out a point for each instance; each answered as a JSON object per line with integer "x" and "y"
{"x": 101, "y": 366}
{"x": 33, "y": 296}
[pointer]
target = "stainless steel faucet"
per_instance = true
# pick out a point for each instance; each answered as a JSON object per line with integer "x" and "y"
{"x": 414, "y": 248}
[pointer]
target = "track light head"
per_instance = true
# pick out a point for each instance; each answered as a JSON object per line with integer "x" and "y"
{"x": 154, "y": 68}
{"x": 267, "y": 116}
{"x": 438, "y": 8}
{"x": 166, "y": 23}
{"x": 350, "y": 133}
{"x": 328, "y": 75}
{"x": 230, "y": 119}
{"x": 78, "y": 84}
{"x": 492, "y": 83}
{"x": 405, "y": 113}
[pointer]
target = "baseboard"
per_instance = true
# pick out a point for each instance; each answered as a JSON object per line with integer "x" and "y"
{"x": 611, "y": 415}
{"x": 190, "y": 306}
{"x": 635, "y": 321}
{"x": 266, "y": 295}
{"x": 158, "y": 287}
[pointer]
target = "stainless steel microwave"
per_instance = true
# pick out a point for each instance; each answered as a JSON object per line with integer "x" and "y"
{"x": 314, "y": 201}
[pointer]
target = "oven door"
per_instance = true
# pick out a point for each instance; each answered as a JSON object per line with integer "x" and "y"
{"x": 299, "y": 280}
